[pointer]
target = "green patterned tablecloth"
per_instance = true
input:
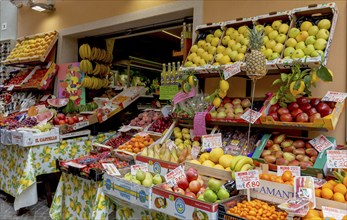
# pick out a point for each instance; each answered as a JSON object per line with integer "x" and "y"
{"x": 19, "y": 166}
{"x": 78, "y": 198}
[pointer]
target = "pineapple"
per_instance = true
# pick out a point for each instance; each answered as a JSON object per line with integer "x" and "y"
{"x": 255, "y": 60}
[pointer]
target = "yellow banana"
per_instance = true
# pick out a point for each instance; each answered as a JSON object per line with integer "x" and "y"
{"x": 246, "y": 167}
{"x": 96, "y": 69}
{"x": 81, "y": 51}
{"x": 243, "y": 161}
{"x": 90, "y": 67}
{"x": 234, "y": 161}
{"x": 93, "y": 53}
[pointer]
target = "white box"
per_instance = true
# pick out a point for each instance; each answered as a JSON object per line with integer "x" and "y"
{"x": 27, "y": 138}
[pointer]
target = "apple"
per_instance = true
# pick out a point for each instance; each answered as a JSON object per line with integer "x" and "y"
{"x": 212, "y": 50}
{"x": 191, "y": 174}
{"x": 166, "y": 186}
{"x": 267, "y": 53}
{"x": 191, "y": 195}
{"x": 298, "y": 54}
{"x": 274, "y": 115}
{"x": 245, "y": 41}
{"x": 273, "y": 56}
{"x": 276, "y": 24}
{"x": 322, "y": 34}
{"x": 242, "y": 29}
{"x": 300, "y": 45}
{"x": 62, "y": 122}
{"x": 194, "y": 186}
{"x": 305, "y": 25}
{"x": 314, "y": 116}
{"x": 313, "y": 30}
{"x": 281, "y": 38}
{"x": 320, "y": 44}
{"x": 245, "y": 103}
{"x": 314, "y": 102}
{"x": 294, "y": 32}
{"x": 274, "y": 108}
{"x": 242, "y": 49}
{"x": 302, "y": 100}
{"x": 213, "y": 114}
{"x": 305, "y": 107}
{"x": 311, "y": 111}
{"x": 301, "y": 36}
{"x": 302, "y": 117}
{"x": 231, "y": 42}
{"x": 288, "y": 52}
{"x": 323, "y": 109}
{"x": 70, "y": 121}
{"x": 61, "y": 116}
{"x": 188, "y": 64}
{"x": 240, "y": 57}
{"x": 265, "y": 39}
{"x": 309, "y": 49}
{"x": 295, "y": 112}
{"x": 229, "y": 31}
{"x": 225, "y": 40}
{"x": 194, "y": 48}
{"x": 224, "y": 59}
{"x": 287, "y": 117}
{"x": 282, "y": 110}
{"x": 331, "y": 104}
{"x": 239, "y": 38}
{"x": 182, "y": 183}
{"x": 324, "y": 24}
{"x": 179, "y": 190}
{"x": 291, "y": 42}
{"x": 236, "y": 46}
{"x": 315, "y": 53}
{"x": 220, "y": 49}
{"x": 207, "y": 45}
{"x": 310, "y": 40}
{"x": 283, "y": 28}
{"x": 292, "y": 106}
{"x": 259, "y": 27}
{"x": 56, "y": 121}
{"x": 221, "y": 115}
{"x": 218, "y": 33}
{"x": 215, "y": 41}
{"x": 273, "y": 34}
{"x": 278, "y": 48}
{"x": 267, "y": 30}
{"x": 201, "y": 43}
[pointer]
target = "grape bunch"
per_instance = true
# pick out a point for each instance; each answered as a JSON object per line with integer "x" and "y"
{"x": 27, "y": 123}
{"x": 44, "y": 128}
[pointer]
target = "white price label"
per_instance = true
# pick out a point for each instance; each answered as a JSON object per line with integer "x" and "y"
{"x": 142, "y": 134}
{"x": 104, "y": 118}
{"x": 73, "y": 164}
{"x": 321, "y": 143}
{"x": 211, "y": 141}
{"x": 251, "y": 116}
{"x": 232, "y": 70}
{"x": 335, "y": 213}
{"x": 81, "y": 124}
{"x": 136, "y": 167}
{"x": 337, "y": 158}
{"x": 171, "y": 144}
{"x": 334, "y": 96}
{"x": 111, "y": 169}
{"x": 195, "y": 152}
{"x": 166, "y": 110}
{"x": 175, "y": 175}
{"x": 247, "y": 179}
{"x": 124, "y": 128}
{"x": 296, "y": 170}
{"x": 44, "y": 98}
{"x": 10, "y": 88}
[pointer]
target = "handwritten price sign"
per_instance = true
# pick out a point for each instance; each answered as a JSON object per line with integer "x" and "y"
{"x": 211, "y": 141}
{"x": 334, "y": 96}
{"x": 251, "y": 116}
{"x": 173, "y": 176}
{"x": 136, "y": 167}
{"x": 335, "y": 213}
{"x": 321, "y": 143}
{"x": 294, "y": 169}
{"x": 337, "y": 159}
{"x": 247, "y": 179}
{"x": 232, "y": 70}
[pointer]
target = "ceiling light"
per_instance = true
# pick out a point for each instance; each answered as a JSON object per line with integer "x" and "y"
{"x": 42, "y": 7}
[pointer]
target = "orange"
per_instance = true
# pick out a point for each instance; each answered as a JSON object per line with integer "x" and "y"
{"x": 338, "y": 197}
{"x": 344, "y": 217}
{"x": 318, "y": 192}
{"x": 328, "y": 185}
{"x": 332, "y": 182}
{"x": 345, "y": 181}
{"x": 311, "y": 213}
{"x": 340, "y": 188}
{"x": 327, "y": 193}
{"x": 287, "y": 175}
{"x": 265, "y": 176}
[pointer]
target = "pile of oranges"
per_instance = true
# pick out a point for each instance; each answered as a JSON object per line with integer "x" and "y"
{"x": 137, "y": 144}
{"x": 255, "y": 210}
{"x": 286, "y": 178}
{"x": 313, "y": 214}
{"x": 333, "y": 190}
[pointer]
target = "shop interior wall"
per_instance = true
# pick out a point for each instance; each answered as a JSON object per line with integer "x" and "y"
{"x": 8, "y": 15}
{"x": 213, "y": 12}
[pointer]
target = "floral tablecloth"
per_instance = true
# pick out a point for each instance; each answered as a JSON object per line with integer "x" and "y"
{"x": 78, "y": 198}
{"x": 19, "y": 166}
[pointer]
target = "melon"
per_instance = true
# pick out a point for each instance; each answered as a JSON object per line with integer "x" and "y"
{"x": 45, "y": 116}
{"x": 58, "y": 102}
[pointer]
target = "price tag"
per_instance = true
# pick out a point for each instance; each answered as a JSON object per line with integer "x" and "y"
{"x": 181, "y": 96}
{"x": 211, "y": 141}
{"x": 142, "y": 134}
{"x": 251, "y": 116}
{"x": 200, "y": 124}
{"x": 77, "y": 165}
{"x": 173, "y": 176}
{"x": 136, "y": 167}
{"x": 294, "y": 169}
{"x": 111, "y": 169}
{"x": 321, "y": 143}
{"x": 124, "y": 128}
{"x": 337, "y": 158}
{"x": 195, "y": 152}
{"x": 232, "y": 70}
{"x": 171, "y": 144}
{"x": 10, "y": 88}
{"x": 166, "y": 110}
{"x": 335, "y": 213}
{"x": 247, "y": 179}
{"x": 81, "y": 124}
{"x": 334, "y": 96}
{"x": 104, "y": 118}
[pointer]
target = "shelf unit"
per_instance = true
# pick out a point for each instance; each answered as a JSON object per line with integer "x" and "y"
{"x": 5, "y": 48}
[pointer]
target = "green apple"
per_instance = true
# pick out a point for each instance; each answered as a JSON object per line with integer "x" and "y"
{"x": 209, "y": 38}
{"x": 223, "y": 194}
{"x": 291, "y": 42}
{"x": 268, "y": 52}
{"x": 201, "y": 43}
{"x": 298, "y": 54}
{"x": 234, "y": 34}
{"x": 273, "y": 34}
{"x": 236, "y": 46}
{"x": 214, "y": 184}
{"x": 239, "y": 38}
{"x": 196, "y": 60}
{"x": 309, "y": 49}
{"x": 274, "y": 56}
{"x": 215, "y": 41}
{"x": 227, "y": 51}
{"x": 313, "y": 30}
{"x": 259, "y": 27}
{"x": 204, "y": 55}
{"x": 300, "y": 45}
{"x": 320, "y": 44}
{"x": 218, "y": 57}
{"x": 233, "y": 55}
{"x": 305, "y": 25}
{"x": 210, "y": 196}
{"x": 207, "y": 45}
{"x": 200, "y": 51}
{"x": 128, "y": 176}
{"x": 178, "y": 141}
{"x": 224, "y": 60}
{"x": 188, "y": 64}
{"x": 323, "y": 34}
{"x": 192, "y": 56}
{"x": 218, "y": 33}
{"x": 287, "y": 58}
{"x": 220, "y": 49}
{"x": 268, "y": 29}
{"x": 225, "y": 40}
{"x": 245, "y": 41}
{"x": 276, "y": 24}
{"x": 243, "y": 29}
{"x": 324, "y": 24}
{"x": 229, "y": 31}
{"x": 278, "y": 48}
{"x": 240, "y": 57}
{"x": 316, "y": 53}
{"x": 301, "y": 36}
{"x": 283, "y": 29}
{"x": 242, "y": 49}
{"x": 212, "y": 50}
{"x": 289, "y": 51}
{"x": 281, "y": 38}
{"x": 265, "y": 39}
{"x": 310, "y": 40}
{"x": 193, "y": 65}
{"x": 194, "y": 48}
{"x": 270, "y": 44}
{"x": 294, "y": 32}
{"x": 231, "y": 43}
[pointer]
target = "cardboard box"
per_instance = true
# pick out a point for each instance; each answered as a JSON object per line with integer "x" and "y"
{"x": 157, "y": 166}
{"x": 328, "y": 10}
{"x": 209, "y": 171}
{"x": 92, "y": 119}
{"x": 28, "y": 138}
{"x": 319, "y": 167}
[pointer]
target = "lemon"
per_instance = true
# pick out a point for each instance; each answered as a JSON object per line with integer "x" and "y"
{"x": 299, "y": 90}
{"x": 204, "y": 157}
{"x": 216, "y": 102}
{"x": 186, "y": 87}
{"x": 192, "y": 81}
{"x": 208, "y": 163}
{"x": 195, "y": 161}
{"x": 225, "y": 160}
{"x": 223, "y": 85}
{"x": 227, "y": 169}
{"x": 222, "y": 94}
{"x": 314, "y": 77}
{"x": 331, "y": 73}
{"x": 218, "y": 166}
{"x": 215, "y": 154}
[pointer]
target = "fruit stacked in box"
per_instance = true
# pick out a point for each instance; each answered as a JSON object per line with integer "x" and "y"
{"x": 335, "y": 189}
{"x": 234, "y": 42}
{"x": 161, "y": 124}
{"x": 62, "y": 119}
{"x": 146, "y": 179}
{"x": 205, "y": 46}
{"x": 145, "y": 118}
{"x": 18, "y": 78}
{"x": 116, "y": 141}
{"x": 137, "y": 143}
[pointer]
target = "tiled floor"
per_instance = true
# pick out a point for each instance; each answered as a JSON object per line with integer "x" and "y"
{"x": 39, "y": 211}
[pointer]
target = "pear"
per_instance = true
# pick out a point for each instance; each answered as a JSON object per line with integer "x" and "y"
{"x": 162, "y": 151}
{"x": 156, "y": 154}
{"x": 148, "y": 175}
{"x": 128, "y": 176}
{"x": 144, "y": 152}
{"x": 157, "y": 179}
{"x": 150, "y": 152}
{"x": 174, "y": 157}
{"x": 182, "y": 156}
{"x": 167, "y": 155}
{"x": 148, "y": 182}
{"x": 136, "y": 181}
{"x": 157, "y": 147}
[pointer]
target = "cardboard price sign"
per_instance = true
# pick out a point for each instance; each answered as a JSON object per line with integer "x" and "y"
{"x": 232, "y": 70}
{"x": 335, "y": 213}
{"x": 136, "y": 167}
{"x": 77, "y": 165}
{"x": 247, "y": 179}
{"x": 337, "y": 158}
{"x": 321, "y": 143}
{"x": 195, "y": 152}
{"x": 251, "y": 116}
{"x": 80, "y": 125}
{"x": 211, "y": 141}
{"x": 111, "y": 169}
{"x": 334, "y": 96}
{"x": 175, "y": 175}
{"x": 294, "y": 169}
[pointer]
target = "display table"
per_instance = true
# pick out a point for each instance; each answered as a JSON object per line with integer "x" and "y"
{"x": 20, "y": 166}
{"x": 78, "y": 198}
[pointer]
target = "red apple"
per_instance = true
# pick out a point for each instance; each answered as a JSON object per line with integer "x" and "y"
{"x": 194, "y": 186}
{"x": 331, "y": 104}
{"x": 308, "y": 145}
{"x": 274, "y": 108}
{"x": 179, "y": 190}
{"x": 282, "y": 111}
{"x": 61, "y": 116}
{"x": 314, "y": 116}
{"x": 286, "y": 117}
{"x": 191, "y": 174}
{"x": 293, "y": 106}
{"x": 295, "y": 112}
{"x": 274, "y": 115}
{"x": 166, "y": 187}
{"x": 323, "y": 109}
{"x": 56, "y": 121}
{"x": 70, "y": 121}
{"x": 182, "y": 183}
{"x": 75, "y": 118}
{"x": 201, "y": 191}
{"x": 305, "y": 107}
{"x": 191, "y": 195}
{"x": 269, "y": 143}
{"x": 62, "y": 122}
{"x": 314, "y": 102}
{"x": 302, "y": 117}
{"x": 311, "y": 111}
{"x": 302, "y": 100}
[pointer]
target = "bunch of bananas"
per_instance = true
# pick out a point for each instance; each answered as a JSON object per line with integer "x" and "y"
{"x": 240, "y": 163}
{"x": 86, "y": 66}
{"x": 101, "y": 69}
{"x": 102, "y": 55}
{"x": 94, "y": 83}
{"x": 85, "y": 51}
